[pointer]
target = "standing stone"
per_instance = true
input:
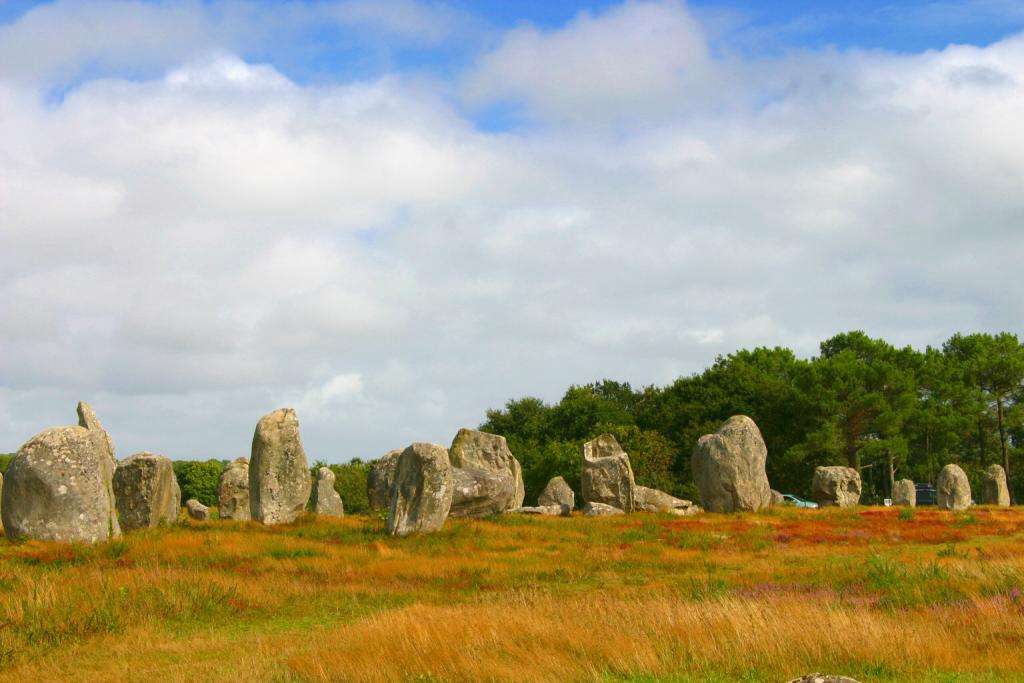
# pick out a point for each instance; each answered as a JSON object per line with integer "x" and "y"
{"x": 996, "y": 491}
{"x": 87, "y": 420}
{"x": 233, "y": 491}
{"x": 836, "y": 486}
{"x": 146, "y": 492}
{"x": 279, "y": 481}
{"x": 480, "y": 493}
{"x": 557, "y": 492}
{"x": 607, "y": 476}
{"x": 953, "y": 490}
{"x": 594, "y": 509}
{"x": 197, "y": 510}
{"x": 379, "y": 480}
{"x": 421, "y": 494}
{"x": 778, "y": 499}
{"x": 653, "y": 500}
{"x": 475, "y": 450}
{"x": 904, "y": 493}
{"x": 728, "y": 467}
{"x": 59, "y": 487}
{"x": 326, "y": 500}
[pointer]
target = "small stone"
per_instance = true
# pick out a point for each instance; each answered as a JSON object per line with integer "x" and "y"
{"x": 777, "y": 499}
{"x": 326, "y": 500}
{"x": 197, "y": 510}
{"x": 557, "y": 492}
{"x": 653, "y": 500}
{"x": 600, "y": 510}
{"x": 233, "y": 491}
{"x": 554, "y": 510}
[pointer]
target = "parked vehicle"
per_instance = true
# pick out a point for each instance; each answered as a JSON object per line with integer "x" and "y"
{"x": 926, "y": 494}
{"x": 790, "y": 499}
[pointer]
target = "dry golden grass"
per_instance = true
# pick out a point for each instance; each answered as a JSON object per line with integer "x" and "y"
{"x": 936, "y": 597}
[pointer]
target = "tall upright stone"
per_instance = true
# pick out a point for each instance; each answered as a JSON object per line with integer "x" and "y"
{"x": 996, "y": 490}
{"x": 279, "y": 481}
{"x": 87, "y": 419}
{"x": 146, "y": 491}
{"x": 607, "y": 475}
{"x": 421, "y": 494}
{"x": 233, "y": 491}
{"x": 953, "y": 489}
{"x": 326, "y": 500}
{"x": 380, "y": 478}
{"x": 59, "y": 487}
{"x": 904, "y": 493}
{"x": 836, "y": 486}
{"x": 729, "y": 468}
{"x": 475, "y": 450}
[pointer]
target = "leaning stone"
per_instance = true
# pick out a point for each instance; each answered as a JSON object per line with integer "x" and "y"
{"x": 607, "y": 476}
{"x": 904, "y": 493}
{"x": 233, "y": 491}
{"x": 422, "y": 492}
{"x": 87, "y": 420}
{"x": 592, "y": 509}
{"x": 146, "y": 491}
{"x": 996, "y": 491}
{"x": 326, "y": 500}
{"x": 953, "y": 490}
{"x": 557, "y": 492}
{"x": 729, "y": 468}
{"x": 279, "y": 481}
{"x": 475, "y": 450}
{"x": 59, "y": 487}
{"x": 481, "y": 493}
{"x": 379, "y": 480}
{"x": 836, "y": 486}
{"x": 555, "y": 510}
{"x": 653, "y": 500}
{"x": 197, "y": 510}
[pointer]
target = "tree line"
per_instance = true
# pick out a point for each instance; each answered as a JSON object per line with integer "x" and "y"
{"x": 890, "y": 412}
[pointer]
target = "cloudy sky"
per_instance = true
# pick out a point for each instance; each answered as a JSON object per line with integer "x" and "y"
{"x": 394, "y": 215}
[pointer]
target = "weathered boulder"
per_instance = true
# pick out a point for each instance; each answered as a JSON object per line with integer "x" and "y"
{"x": 554, "y": 510}
{"x": 904, "y": 493}
{"x": 822, "y": 678}
{"x": 607, "y": 476}
{"x": 326, "y": 500}
{"x": 653, "y": 500}
{"x": 233, "y": 491}
{"x": 481, "y": 493}
{"x": 421, "y": 494}
{"x": 475, "y": 450}
{"x": 953, "y": 490}
{"x": 197, "y": 510}
{"x": 996, "y": 491}
{"x": 836, "y": 486}
{"x": 87, "y": 420}
{"x": 380, "y": 478}
{"x": 557, "y": 492}
{"x": 594, "y": 509}
{"x": 146, "y": 491}
{"x": 777, "y": 499}
{"x": 279, "y": 481}
{"x": 728, "y": 468}
{"x": 59, "y": 487}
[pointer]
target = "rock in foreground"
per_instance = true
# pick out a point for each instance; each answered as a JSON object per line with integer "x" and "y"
{"x": 729, "y": 468}
{"x": 836, "y": 486}
{"x": 146, "y": 491}
{"x": 233, "y": 491}
{"x": 953, "y": 490}
{"x": 279, "y": 481}
{"x": 607, "y": 476}
{"x": 326, "y": 500}
{"x": 421, "y": 494}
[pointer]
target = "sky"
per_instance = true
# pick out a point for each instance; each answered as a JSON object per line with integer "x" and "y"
{"x": 393, "y": 216}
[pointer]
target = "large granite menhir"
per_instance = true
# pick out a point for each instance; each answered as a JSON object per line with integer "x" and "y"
{"x": 836, "y": 486}
{"x": 146, "y": 491}
{"x": 279, "y": 481}
{"x": 380, "y": 479}
{"x": 729, "y": 468}
{"x": 421, "y": 494}
{"x": 492, "y": 479}
{"x": 233, "y": 491}
{"x": 953, "y": 489}
{"x": 607, "y": 475}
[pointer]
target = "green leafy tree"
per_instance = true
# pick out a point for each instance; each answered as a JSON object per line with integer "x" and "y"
{"x": 198, "y": 479}
{"x": 350, "y": 483}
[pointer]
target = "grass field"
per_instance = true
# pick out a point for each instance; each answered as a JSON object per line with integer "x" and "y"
{"x": 877, "y": 594}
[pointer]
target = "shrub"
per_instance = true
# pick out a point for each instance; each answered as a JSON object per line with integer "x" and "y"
{"x": 198, "y": 479}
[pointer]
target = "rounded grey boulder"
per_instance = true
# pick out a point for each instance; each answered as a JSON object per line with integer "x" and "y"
{"x": 146, "y": 491}
{"x": 380, "y": 478}
{"x": 279, "y": 481}
{"x": 475, "y": 450}
{"x": 607, "y": 475}
{"x": 953, "y": 489}
{"x": 836, "y": 486}
{"x": 326, "y": 500}
{"x": 593, "y": 509}
{"x": 653, "y": 500}
{"x": 480, "y": 493}
{"x": 729, "y": 468}
{"x": 197, "y": 510}
{"x": 233, "y": 491}
{"x": 996, "y": 491}
{"x": 557, "y": 492}
{"x": 422, "y": 492}
{"x": 904, "y": 493}
{"x": 59, "y": 488}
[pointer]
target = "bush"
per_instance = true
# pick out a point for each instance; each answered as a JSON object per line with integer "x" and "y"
{"x": 198, "y": 479}
{"x": 5, "y": 460}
